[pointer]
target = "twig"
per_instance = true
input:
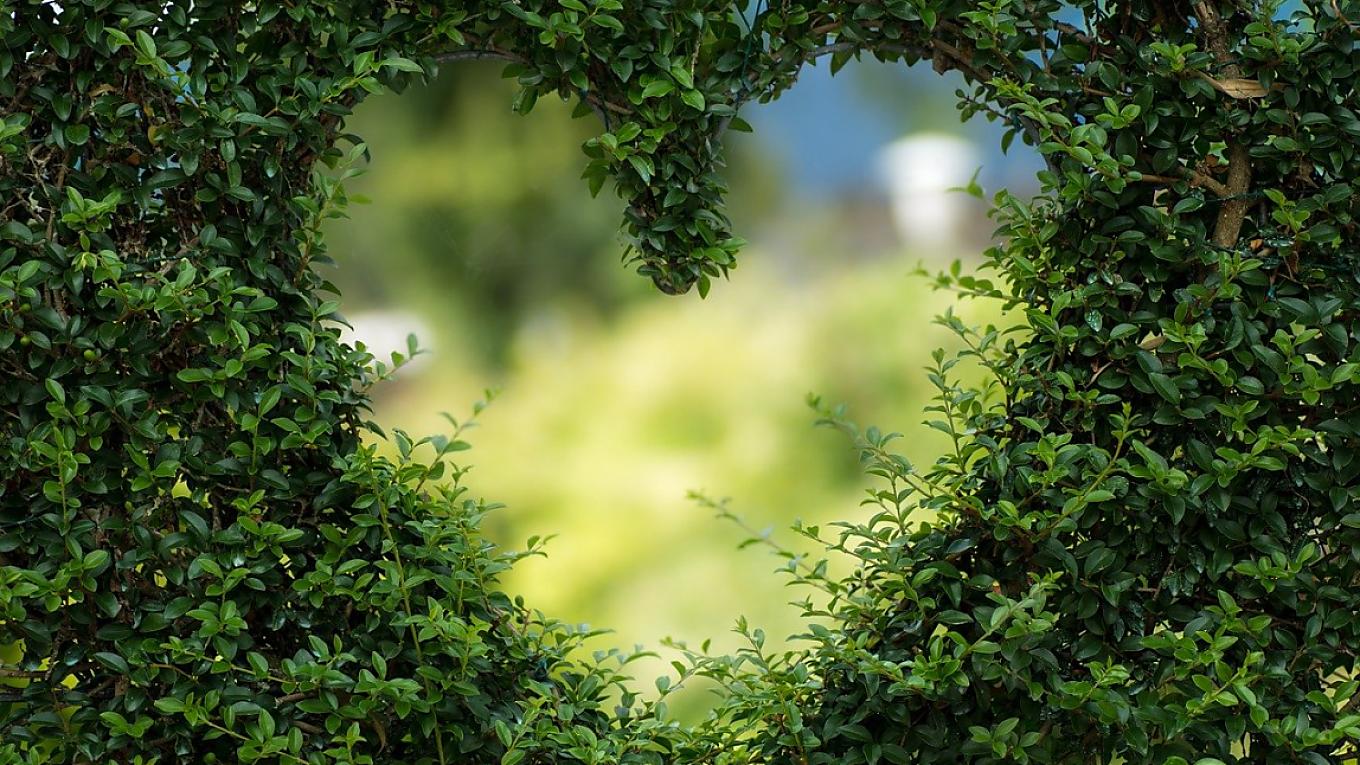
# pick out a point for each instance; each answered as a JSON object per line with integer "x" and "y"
{"x": 1074, "y": 32}
{"x": 1196, "y": 179}
{"x": 477, "y": 55}
{"x": 1234, "y": 210}
{"x": 964, "y": 64}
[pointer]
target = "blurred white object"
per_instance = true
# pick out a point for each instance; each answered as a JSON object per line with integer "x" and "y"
{"x": 384, "y": 333}
{"x": 919, "y": 171}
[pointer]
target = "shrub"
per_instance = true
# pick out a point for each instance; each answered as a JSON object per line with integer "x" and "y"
{"x": 199, "y": 560}
{"x": 1144, "y": 543}
{"x": 1145, "y": 549}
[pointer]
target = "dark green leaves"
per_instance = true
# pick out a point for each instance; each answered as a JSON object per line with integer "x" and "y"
{"x": 1144, "y": 511}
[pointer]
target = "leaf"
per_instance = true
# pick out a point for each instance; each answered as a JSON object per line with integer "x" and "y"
{"x": 1188, "y": 204}
{"x": 145, "y": 44}
{"x": 113, "y": 661}
{"x": 642, "y": 166}
{"x": 608, "y": 22}
{"x": 170, "y": 705}
{"x": 657, "y": 88}
{"x": 76, "y": 134}
{"x": 503, "y": 733}
{"x": 403, "y": 64}
{"x": 1165, "y": 387}
{"x": 117, "y": 37}
{"x": 55, "y": 390}
{"x": 1122, "y": 330}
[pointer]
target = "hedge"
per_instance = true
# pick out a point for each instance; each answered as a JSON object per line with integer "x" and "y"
{"x": 1144, "y": 546}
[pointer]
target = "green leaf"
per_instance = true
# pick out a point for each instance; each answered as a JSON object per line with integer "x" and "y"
{"x": 694, "y": 99}
{"x": 1187, "y": 205}
{"x": 402, "y": 64}
{"x": 145, "y": 44}
{"x": 503, "y": 733}
{"x": 55, "y": 390}
{"x": 608, "y": 22}
{"x": 169, "y": 705}
{"x": 1165, "y": 387}
{"x": 76, "y": 134}
{"x": 113, "y": 661}
{"x": 657, "y": 88}
{"x": 117, "y": 37}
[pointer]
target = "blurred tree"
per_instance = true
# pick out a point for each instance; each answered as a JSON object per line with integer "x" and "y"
{"x": 461, "y": 178}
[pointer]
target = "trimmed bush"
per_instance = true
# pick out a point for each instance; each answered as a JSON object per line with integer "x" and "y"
{"x": 1143, "y": 547}
{"x": 199, "y": 560}
{"x": 1145, "y": 544}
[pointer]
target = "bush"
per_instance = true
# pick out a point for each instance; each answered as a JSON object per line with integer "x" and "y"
{"x": 1146, "y": 544}
{"x": 199, "y": 561}
{"x": 1145, "y": 547}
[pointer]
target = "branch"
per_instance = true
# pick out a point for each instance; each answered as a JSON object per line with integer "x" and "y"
{"x": 964, "y": 64}
{"x": 808, "y": 57}
{"x": 477, "y": 55}
{"x": 1196, "y": 179}
{"x": 1234, "y": 209}
{"x": 1074, "y": 33}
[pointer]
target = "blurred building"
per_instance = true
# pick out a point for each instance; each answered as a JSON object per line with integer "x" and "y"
{"x": 924, "y": 174}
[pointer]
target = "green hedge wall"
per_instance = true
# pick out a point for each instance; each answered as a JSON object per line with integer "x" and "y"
{"x": 199, "y": 561}
{"x": 1145, "y": 545}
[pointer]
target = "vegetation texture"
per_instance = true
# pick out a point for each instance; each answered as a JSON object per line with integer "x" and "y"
{"x": 1144, "y": 547}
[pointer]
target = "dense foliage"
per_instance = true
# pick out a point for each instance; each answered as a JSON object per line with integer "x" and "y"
{"x": 199, "y": 561}
{"x": 1144, "y": 546}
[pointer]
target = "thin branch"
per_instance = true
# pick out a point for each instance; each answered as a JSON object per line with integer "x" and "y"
{"x": 1196, "y": 179}
{"x": 964, "y": 64}
{"x": 828, "y": 49}
{"x": 1234, "y": 210}
{"x": 808, "y": 57}
{"x": 1074, "y": 33}
{"x": 477, "y": 55}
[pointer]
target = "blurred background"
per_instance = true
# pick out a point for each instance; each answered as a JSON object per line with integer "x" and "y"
{"x": 614, "y": 400}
